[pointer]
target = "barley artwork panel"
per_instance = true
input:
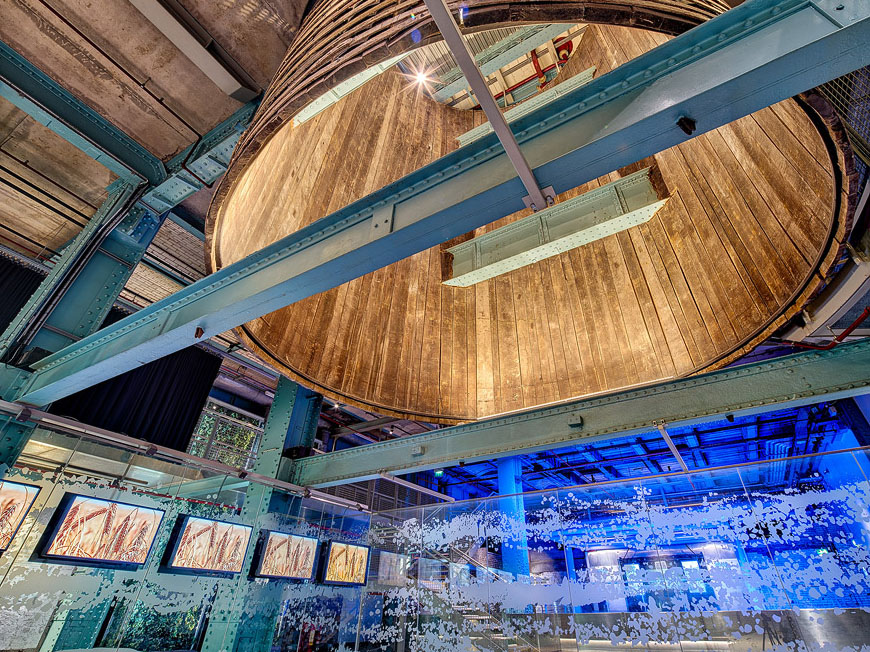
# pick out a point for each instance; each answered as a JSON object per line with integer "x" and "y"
{"x": 288, "y": 555}
{"x": 347, "y": 564}
{"x": 208, "y": 545}
{"x": 105, "y": 530}
{"x": 15, "y": 501}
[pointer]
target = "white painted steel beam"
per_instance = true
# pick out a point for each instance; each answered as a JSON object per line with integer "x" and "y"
{"x": 575, "y": 222}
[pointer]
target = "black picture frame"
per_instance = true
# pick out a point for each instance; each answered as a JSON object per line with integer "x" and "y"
{"x": 57, "y": 519}
{"x": 167, "y": 563}
{"x": 327, "y": 556}
{"x": 26, "y": 511}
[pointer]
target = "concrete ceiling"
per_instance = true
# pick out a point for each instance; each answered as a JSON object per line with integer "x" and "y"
{"x": 117, "y": 62}
{"x": 111, "y": 57}
{"x": 48, "y": 188}
{"x": 107, "y": 54}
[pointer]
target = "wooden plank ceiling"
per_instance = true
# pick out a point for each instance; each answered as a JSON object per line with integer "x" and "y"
{"x": 736, "y": 248}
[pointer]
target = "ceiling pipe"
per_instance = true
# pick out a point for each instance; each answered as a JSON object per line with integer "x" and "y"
{"x": 459, "y": 49}
{"x": 837, "y": 340}
{"x": 671, "y": 445}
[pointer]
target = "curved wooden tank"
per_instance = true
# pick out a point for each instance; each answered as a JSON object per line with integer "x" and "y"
{"x": 755, "y": 218}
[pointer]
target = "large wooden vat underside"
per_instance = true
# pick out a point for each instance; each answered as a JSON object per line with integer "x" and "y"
{"x": 752, "y": 225}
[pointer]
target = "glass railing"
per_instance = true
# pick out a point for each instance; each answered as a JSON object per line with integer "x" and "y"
{"x": 79, "y": 602}
{"x": 765, "y": 556}
{"x": 770, "y": 555}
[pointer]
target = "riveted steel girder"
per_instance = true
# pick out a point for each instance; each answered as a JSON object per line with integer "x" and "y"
{"x": 792, "y": 381}
{"x": 759, "y": 53}
{"x": 51, "y": 104}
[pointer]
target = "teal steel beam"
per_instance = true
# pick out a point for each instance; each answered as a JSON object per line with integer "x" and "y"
{"x": 755, "y": 55}
{"x": 14, "y": 434}
{"x": 83, "y": 306}
{"x": 200, "y": 164}
{"x": 188, "y": 222}
{"x": 792, "y": 381}
{"x": 52, "y": 105}
{"x": 93, "y": 268}
{"x": 16, "y": 337}
{"x": 224, "y": 625}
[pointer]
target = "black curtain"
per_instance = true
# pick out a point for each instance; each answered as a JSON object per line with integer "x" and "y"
{"x": 159, "y": 402}
{"x": 17, "y": 285}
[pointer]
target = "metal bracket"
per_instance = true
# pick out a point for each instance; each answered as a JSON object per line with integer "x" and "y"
{"x": 549, "y": 194}
{"x": 382, "y": 221}
{"x": 661, "y": 426}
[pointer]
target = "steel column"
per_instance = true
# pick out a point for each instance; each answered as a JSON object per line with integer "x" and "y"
{"x": 13, "y": 438}
{"x": 18, "y": 335}
{"x": 13, "y": 433}
{"x": 795, "y": 380}
{"x": 288, "y": 425}
{"x": 83, "y": 307}
{"x": 94, "y": 287}
{"x": 759, "y": 53}
{"x": 514, "y": 540}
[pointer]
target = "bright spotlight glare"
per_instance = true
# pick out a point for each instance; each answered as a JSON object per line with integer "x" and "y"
{"x": 421, "y": 77}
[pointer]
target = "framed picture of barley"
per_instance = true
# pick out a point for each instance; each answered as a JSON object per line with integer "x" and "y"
{"x": 95, "y": 531}
{"x": 346, "y": 564}
{"x": 204, "y": 545}
{"x": 287, "y": 556}
{"x": 16, "y": 499}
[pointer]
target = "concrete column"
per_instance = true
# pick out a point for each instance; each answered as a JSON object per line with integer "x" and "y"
{"x": 515, "y": 547}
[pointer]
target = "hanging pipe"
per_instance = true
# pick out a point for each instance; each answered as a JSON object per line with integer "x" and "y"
{"x": 837, "y": 340}
{"x": 542, "y": 78}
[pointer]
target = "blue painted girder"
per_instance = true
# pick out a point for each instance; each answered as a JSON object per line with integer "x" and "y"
{"x": 757, "y": 54}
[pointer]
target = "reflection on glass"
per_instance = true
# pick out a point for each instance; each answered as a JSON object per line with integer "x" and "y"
{"x": 393, "y": 568}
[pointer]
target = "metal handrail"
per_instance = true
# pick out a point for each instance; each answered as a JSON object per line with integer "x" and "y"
{"x": 27, "y": 414}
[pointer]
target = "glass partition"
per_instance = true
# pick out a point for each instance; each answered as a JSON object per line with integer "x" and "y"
{"x": 766, "y": 556}
{"x": 50, "y": 604}
{"x": 762, "y": 556}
